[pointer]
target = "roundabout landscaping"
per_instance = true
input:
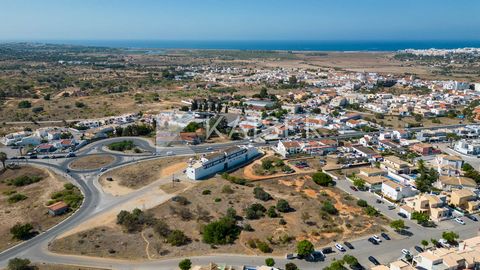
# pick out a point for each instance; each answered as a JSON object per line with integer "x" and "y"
{"x": 91, "y": 162}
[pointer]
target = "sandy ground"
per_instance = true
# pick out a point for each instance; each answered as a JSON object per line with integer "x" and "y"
{"x": 62, "y": 267}
{"x": 33, "y": 209}
{"x": 249, "y": 171}
{"x": 91, "y": 162}
{"x": 132, "y": 177}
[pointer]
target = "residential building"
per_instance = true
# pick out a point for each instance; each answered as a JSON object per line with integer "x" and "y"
{"x": 464, "y": 199}
{"x": 432, "y": 205}
{"x": 449, "y": 165}
{"x": 396, "y": 191}
{"x": 372, "y": 171}
{"x": 424, "y": 149}
{"x": 448, "y": 183}
{"x": 468, "y": 147}
{"x": 395, "y": 165}
{"x": 373, "y": 183}
{"x": 57, "y": 208}
{"x": 224, "y": 160}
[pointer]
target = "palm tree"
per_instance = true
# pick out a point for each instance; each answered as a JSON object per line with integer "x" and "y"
{"x": 3, "y": 158}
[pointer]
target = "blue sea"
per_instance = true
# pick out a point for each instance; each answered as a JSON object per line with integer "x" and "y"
{"x": 274, "y": 45}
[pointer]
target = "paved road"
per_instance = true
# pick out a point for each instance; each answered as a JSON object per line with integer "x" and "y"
{"x": 96, "y": 201}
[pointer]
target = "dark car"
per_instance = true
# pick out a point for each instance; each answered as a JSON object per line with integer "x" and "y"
{"x": 373, "y": 241}
{"x": 348, "y": 244}
{"x": 354, "y": 188}
{"x": 327, "y": 250}
{"x": 419, "y": 249}
{"x": 373, "y": 260}
{"x": 33, "y": 157}
{"x": 357, "y": 267}
{"x": 384, "y": 235}
{"x": 472, "y": 217}
{"x": 45, "y": 157}
{"x": 402, "y": 215}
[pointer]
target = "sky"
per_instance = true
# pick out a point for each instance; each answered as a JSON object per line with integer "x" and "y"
{"x": 239, "y": 20}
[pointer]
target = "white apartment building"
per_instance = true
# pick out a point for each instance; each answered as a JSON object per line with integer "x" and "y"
{"x": 468, "y": 147}
{"x": 396, "y": 191}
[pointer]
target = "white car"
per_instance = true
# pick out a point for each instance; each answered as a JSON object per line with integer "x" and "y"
{"x": 339, "y": 247}
{"x": 103, "y": 169}
{"x": 209, "y": 148}
{"x": 169, "y": 153}
{"x": 377, "y": 238}
{"x": 405, "y": 252}
{"x": 460, "y": 221}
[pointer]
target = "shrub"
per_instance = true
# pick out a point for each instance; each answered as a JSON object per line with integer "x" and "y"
{"x": 221, "y": 232}
{"x": 37, "y": 109}
{"x": 371, "y": 211}
{"x": 227, "y": 189}
{"x": 264, "y": 247}
{"x": 135, "y": 220}
{"x": 206, "y": 192}
{"x": 283, "y": 206}
{"x": 291, "y": 266}
{"x": 121, "y": 146}
{"x": 269, "y": 262}
{"x": 185, "y": 264}
{"x": 24, "y": 104}
{"x": 255, "y": 211}
{"x": 16, "y": 198}
{"x": 161, "y": 228}
{"x": 24, "y": 180}
{"x": 282, "y": 222}
{"x": 261, "y": 194}
{"x": 329, "y": 208}
{"x": 22, "y": 231}
{"x": 177, "y": 238}
{"x": 181, "y": 200}
{"x": 322, "y": 179}
{"x": 305, "y": 248}
{"x": 362, "y": 203}
{"x": 19, "y": 264}
{"x": 271, "y": 212}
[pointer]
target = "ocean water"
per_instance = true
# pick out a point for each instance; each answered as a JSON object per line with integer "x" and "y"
{"x": 275, "y": 45}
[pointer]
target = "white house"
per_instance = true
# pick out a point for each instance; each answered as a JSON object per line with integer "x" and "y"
{"x": 287, "y": 148}
{"x": 449, "y": 165}
{"x": 468, "y": 147}
{"x": 396, "y": 191}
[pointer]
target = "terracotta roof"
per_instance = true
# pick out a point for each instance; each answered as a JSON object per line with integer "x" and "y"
{"x": 58, "y": 206}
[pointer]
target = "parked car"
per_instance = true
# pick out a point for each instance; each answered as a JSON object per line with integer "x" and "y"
{"x": 45, "y": 157}
{"x": 373, "y": 260}
{"x": 377, "y": 238}
{"x": 169, "y": 153}
{"x": 384, "y": 235}
{"x": 472, "y": 217}
{"x": 378, "y": 201}
{"x": 402, "y": 215}
{"x": 348, "y": 244}
{"x": 327, "y": 250}
{"x": 419, "y": 249}
{"x": 373, "y": 241}
{"x": 290, "y": 256}
{"x": 70, "y": 155}
{"x": 33, "y": 156}
{"x": 405, "y": 252}
{"x": 391, "y": 207}
{"x": 460, "y": 221}
{"x": 340, "y": 247}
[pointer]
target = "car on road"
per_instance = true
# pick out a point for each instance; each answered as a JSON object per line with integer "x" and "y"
{"x": 169, "y": 153}
{"x": 419, "y": 249}
{"x": 385, "y": 236}
{"x": 377, "y": 238}
{"x": 353, "y": 188}
{"x": 402, "y": 215}
{"x": 340, "y": 247}
{"x": 373, "y": 241}
{"x": 103, "y": 169}
{"x": 391, "y": 207}
{"x": 33, "y": 156}
{"x": 45, "y": 157}
{"x": 209, "y": 148}
{"x": 405, "y": 252}
{"x": 378, "y": 201}
{"x": 349, "y": 245}
{"x": 460, "y": 221}
{"x": 70, "y": 155}
{"x": 67, "y": 170}
{"x": 373, "y": 260}
{"x": 290, "y": 256}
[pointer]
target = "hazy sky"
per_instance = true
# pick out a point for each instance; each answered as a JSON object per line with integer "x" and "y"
{"x": 240, "y": 19}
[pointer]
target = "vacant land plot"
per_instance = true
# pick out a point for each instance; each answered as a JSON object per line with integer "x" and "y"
{"x": 91, "y": 162}
{"x": 210, "y": 200}
{"x": 42, "y": 266}
{"x": 24, "y": 201}
{"x": 135, "y": 176}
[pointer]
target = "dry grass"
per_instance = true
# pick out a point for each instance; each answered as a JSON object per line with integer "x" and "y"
{"x": 303, "y": 195}
{"x": 46, "y": 266}
{"x": 31, "y": 210}
{"x": 91, "y": 162}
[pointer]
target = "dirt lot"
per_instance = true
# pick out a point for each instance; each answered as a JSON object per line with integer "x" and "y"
{"x": 305, "y": 222}
{"x": 91, "y": 162}
{"x": 33, "y": 209}
{"x": 135, "y": 176}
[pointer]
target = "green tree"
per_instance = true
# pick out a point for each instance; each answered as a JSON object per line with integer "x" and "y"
{"x": 24, "y": 104}
{"x": 22, "y": 231}
{"x": 397, "y": 225}
{"x": 19, "y": 264}
{"x": 434, "y": 242}
{"x": 221, "y": 232}
{"x": 291, "y": 266}
{"x": 421, "y": 218}
{"x": 269, "y": 262}
{"x": 424, "y": 243}
{"x": 185, "y": 264}
{"x": 305, "y": 248}
{"x": 362, "y": 203}
{"x": 3, "y": 158}
{"x": 329, "y": 208}
{"x": 283, "y": 206}
{"x": 350, "y": 260}
{"x": 322, "y": 179}
{"x": 451, "y": 237}
{"x": 359, "y": 183}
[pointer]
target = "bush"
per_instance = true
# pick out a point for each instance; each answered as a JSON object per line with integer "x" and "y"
{"x": 227, "y": 189}
{"x": 261, "y": 194}
{"x": 221, "y": 232}
{"x": 206, "y": 192}
{"x": 24, "y": 104}
{"x": 135, "y": 220}
{"x": 23, "y": 180}
{"x": 22, "y": 231}
{"x": 19, "y": 264}
{"x": 269, "y": 262}
{"x": 291, "y": 266}
{"x": 255, "y": 211}
{"x": 305, "y": 248}
{"x": 362, "y": 203}
{"x": 185, "y": 264}
{"x": 322, "y": 179}
{"x": 371, "y": 211}
{"x": 16, "y": 198}
{"x": 37, "y": 109}
{"x": 71, "y": 195}
{"x": 329, "y": 208}
{"x": 271, "y": 212}
{"x": 80, "y": 104}
{"x": 121, "y": 146}
{"x": 181, "y": 200}
{"x": 177, "y": 238}
{"x": 264, "y": 247}
{"x": 283, "y": 206}
{"x": 161, "y": 228}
